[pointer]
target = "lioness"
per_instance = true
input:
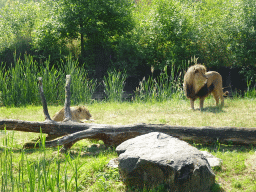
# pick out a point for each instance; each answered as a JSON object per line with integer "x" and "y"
{"x": 78, "y": 113}
{"x": 199, "y": 84}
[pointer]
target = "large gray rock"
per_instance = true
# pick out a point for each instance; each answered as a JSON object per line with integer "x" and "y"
{"x": 156, "y": 158}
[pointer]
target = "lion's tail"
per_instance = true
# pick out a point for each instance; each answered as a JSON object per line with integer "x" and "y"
{"x": 225, "y": 94}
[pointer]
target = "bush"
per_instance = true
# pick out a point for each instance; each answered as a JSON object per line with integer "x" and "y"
{"x": 148, "y": 33}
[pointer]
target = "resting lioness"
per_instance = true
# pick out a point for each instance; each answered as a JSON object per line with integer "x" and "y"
{"x": 78, "y": 113}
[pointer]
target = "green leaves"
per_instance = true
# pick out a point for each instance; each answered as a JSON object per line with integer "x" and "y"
{"x": 95, "y": 19}
{"x": 131, "y": 35}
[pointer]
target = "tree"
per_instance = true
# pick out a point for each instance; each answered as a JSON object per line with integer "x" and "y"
{"x": 94, "y": 22}
{"x": 17, "y": 21}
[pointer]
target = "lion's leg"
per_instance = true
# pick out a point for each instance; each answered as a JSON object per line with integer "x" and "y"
{"x": 216, "y": 96}
{"x": 202, "y": 103}
{"x": 192, "y": 104}
{"x": 222, "y": 99}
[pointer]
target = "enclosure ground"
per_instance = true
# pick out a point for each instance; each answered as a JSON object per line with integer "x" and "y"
{"x": 237, "y": 172}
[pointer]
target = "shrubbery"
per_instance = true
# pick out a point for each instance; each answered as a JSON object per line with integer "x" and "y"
{"x": 219, "y": 33}
{"x": 130, "y": 35}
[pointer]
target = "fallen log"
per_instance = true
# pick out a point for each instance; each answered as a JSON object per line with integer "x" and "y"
{"x": 51, "y": 128}
{"x": 115, "y": 134}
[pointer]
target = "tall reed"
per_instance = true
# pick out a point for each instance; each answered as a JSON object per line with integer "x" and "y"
{"x": 82, "y": 88}
{"x": 18, "y": 85}
{"x": 251, "y": 90}
{"x": 163, "y": 87}
{"x": 35, "y": 174}
{"x": 114, "y": 85}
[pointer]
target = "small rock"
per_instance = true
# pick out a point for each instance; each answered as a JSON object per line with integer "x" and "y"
{"x": 212, "y": 160}
{"x": 113, "y": 163}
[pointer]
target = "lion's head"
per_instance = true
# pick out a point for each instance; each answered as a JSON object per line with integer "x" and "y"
{"x": 194, "y": 79}
{"x": 81, "y": 113}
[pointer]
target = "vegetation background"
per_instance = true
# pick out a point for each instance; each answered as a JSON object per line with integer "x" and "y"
{"x": 130, "y": 35}
{"x": 92, "y": 38}
{"x": 104, "y": 43}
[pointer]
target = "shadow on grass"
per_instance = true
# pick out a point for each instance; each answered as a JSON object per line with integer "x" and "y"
{"x": 213, "y": 109}
{"x": 20, "y": 150}
{"x": 219, "y": 147}
{"x": 217, "y": 188}
{"x": 92, "y": 150}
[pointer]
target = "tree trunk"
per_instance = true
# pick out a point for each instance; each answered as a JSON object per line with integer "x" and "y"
{"x": 82, "y": 46}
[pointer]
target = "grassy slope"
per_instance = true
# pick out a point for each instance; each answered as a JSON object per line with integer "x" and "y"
{"x": 236, "y": 174}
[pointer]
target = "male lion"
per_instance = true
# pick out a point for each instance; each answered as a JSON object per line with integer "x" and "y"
{"x": 199, "y": 84}
{"x": 78, "y": 113}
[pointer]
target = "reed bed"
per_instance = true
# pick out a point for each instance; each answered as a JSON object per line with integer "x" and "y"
{"x": 18, "y": 84}
{"x": 114, "y": 85}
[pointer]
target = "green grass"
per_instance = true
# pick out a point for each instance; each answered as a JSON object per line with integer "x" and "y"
{"x": 84, "y": 168}
{"x": 236, "y": 112}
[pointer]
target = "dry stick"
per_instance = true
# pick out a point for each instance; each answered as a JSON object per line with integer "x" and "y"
{"x": 67, "y": 113}
{"x": 46, "y": 113}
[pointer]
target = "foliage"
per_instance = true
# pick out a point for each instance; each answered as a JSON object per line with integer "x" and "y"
{"x": 217, "y": 24}
{"x": 130, "y": 35}
{"x": 95, "y": 22}
{"x": 162, "y": 36}
{"x": 29, "y": 27}
{"x": 17, "y": 22}
{"x": 46, "y": 38}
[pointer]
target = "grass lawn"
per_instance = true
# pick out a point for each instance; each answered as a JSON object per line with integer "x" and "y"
{"x": 84, "y": 168}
